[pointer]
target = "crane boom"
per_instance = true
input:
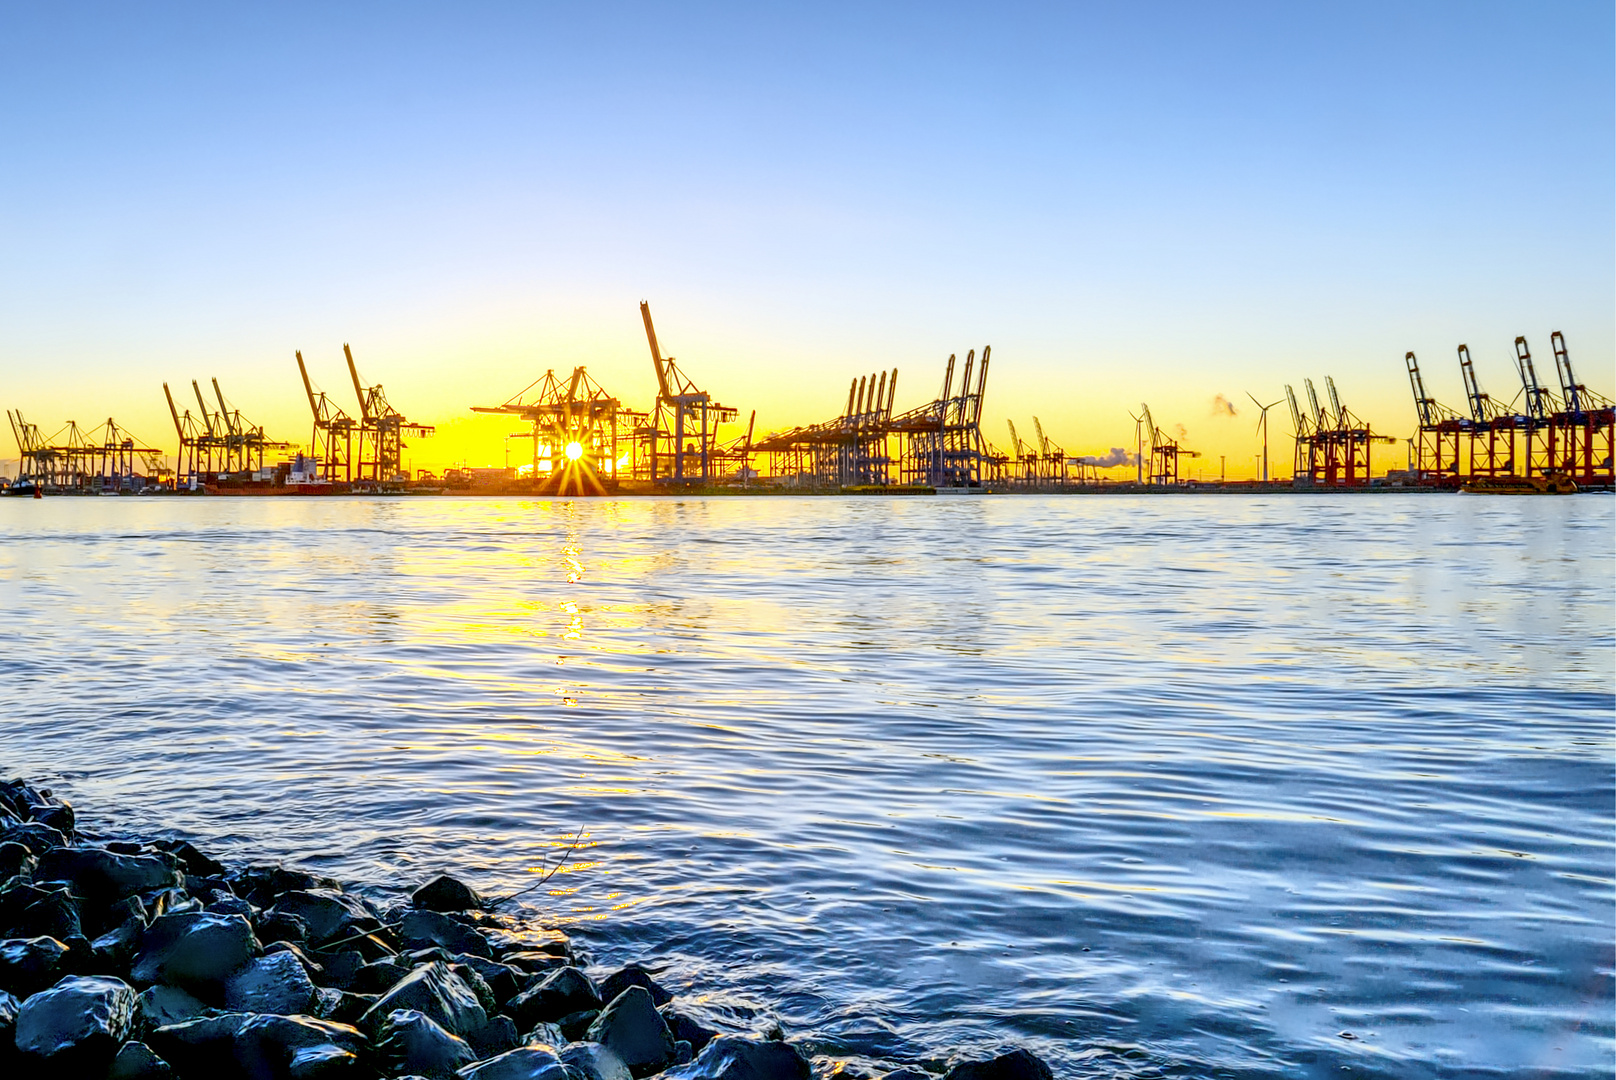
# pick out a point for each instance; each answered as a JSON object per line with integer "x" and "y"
{"x": 1297, "y": 420}
{"x": 359, "y": 391}
{"x": 1537, "y": 406}
{"x": 207, "y": 421}
{"x": 1424, "y": 406}
{"x": 656, "y": 351}
{"x": 232, "y": 424}
{"x": 1481, "y": 406}
{"x": 175, "y": 413}
{"x": 1569, "y": 387}
{"x": 1335, "y": 402}
{"x": 1313, "y": 400}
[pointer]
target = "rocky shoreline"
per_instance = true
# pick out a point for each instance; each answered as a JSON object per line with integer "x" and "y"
{"x": 139, "y": 960}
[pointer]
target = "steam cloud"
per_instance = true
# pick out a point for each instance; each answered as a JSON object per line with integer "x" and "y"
{"x": 1117, "y": 456}
{"x": 1222, "y": 406}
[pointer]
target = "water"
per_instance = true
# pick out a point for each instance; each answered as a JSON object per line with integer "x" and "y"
{"x": 1199, "y": 786}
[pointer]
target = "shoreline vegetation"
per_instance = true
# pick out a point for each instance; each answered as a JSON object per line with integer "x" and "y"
{"x": 139, "y": 959}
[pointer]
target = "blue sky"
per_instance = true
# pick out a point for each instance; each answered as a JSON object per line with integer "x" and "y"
{"x": 1130, "y": 202}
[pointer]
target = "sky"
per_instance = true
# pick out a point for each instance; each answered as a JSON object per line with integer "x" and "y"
{"x": 1132, "y": 203}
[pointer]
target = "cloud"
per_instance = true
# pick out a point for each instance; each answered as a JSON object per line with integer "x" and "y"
{"x": 1183, "y": 433}
{"x": 1117, "y": 457}
{"x": 1222, "y": 406}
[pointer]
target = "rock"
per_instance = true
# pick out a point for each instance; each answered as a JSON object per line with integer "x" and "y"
{"x": 309, "y": 965}
{"x": 743, "y": 1057}
{"x": 545, "y": 1035}
{"x": 270, "y": 984}
{"x": 630, "y": 1027}
{"x": 15, "y": 859}
{"x": 45, "y": 912}
{"x": 38, "y": 838}
{"x": 575, "y": 1025}
{"x": 408, "y": 1041}
{"x": 327, "y": 913}
{"x": 159, "y": 1006}
{"x": 193, "y": 860}
{"x": 137, "y": 1061}
{"x": 102, "y": 877}
{"x": 205, "y": 1047}
{"x": 78, "y": 1024}
{"x": 262, "y": 884}
{"x": 435, "y": 991}
{"x": 8, "y": 1021}
{"x": 908, "y": 1073}
{"x": 195, "y": 950}
{"x": 281, "y": 926}
{"x": 345, "y": 1008}
{"x": 501, "y": 980}
{"x": 496, "y": 1037}
{"x": 687, "y": 1028}
{"x": 29, "y": 965}
{"x": 593, "y": 1061}
{"x": 534, "y": 963}
{"x": 633, "y": 975}
{"x": 563, "y": 991}
{"x": 422, "y": 929}
{"x": 115, "y": 950}
{"x": 172, "y": 902}
{"x": 524, "y": 1063}
{"x": 296, "y": 1048}
{"x": 378, "y": 976}
{"x": 341, "y": 969}
{"x": 1018, "y": 1064}
{"x": 223, "y": 903}
{"x": 444, "y": 893}
{"x": 485, "y": 996}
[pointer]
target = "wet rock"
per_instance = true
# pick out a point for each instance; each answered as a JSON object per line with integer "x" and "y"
{"x": 114, "y": 950}
{"x": 195, "y": 950}
{"x": 137, "y": 1061}
{"x": 103, "y": 877}
{"x": 8, "y": 1022}
{"x": 281, "y": 926}
{"x": 423, "y": 929}
{"x": 191, "y": 859}
{"x": 159, "y": 1006}
{"x": 485, "y": 996}
{"x": 378, "y": 976}
{"x": 327, "y": 913}
{"x": 524, "y": 1063}
{"x": 201, "y": 1048}
{"x": 545, "y": 1035}
{"x": 444, "y": 893}
{"x": 341, "y": 969}
{"x": 633, "y": 975}
{"x": 501, "y": 980}
{"x": 576, "y": 1025}
{"x": 561, "y": 992}
{"x": 172, "y": 902}
{"x": 343, "y": 1007}
{"x": 15, "y": 859}
{"x": 262, "y": 884}
{"x": 744, "y": 1057}
{"x": 297, "y": 1048}
{"x": 222, "y": 903}
{"x": 408, "y": 1041}
{"x": 34, "y": 911}
{"x": 534, "y": 963}
{"x": 687, "y": 1028}
{"x": 593, "y": 1061}
{"x": 438, "y": 993}
{"x": 36, "y": 836}
{"x": 907, "y": 1073}
{"x": 29, "y": 965}
{"x": 270, "y": 984}
{"x": 78, "y": 1024}
{"x": 630, "y": 1027}
{"x": 496, "y": 1036}
{"x": 309, "y": 964}
{"x": 1018, "y": 1064}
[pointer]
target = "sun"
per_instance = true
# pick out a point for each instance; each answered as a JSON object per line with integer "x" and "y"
{"x": 574, "y": 451}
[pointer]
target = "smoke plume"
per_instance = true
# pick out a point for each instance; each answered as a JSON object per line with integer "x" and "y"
{"x": 1183, "y": 432}
{"x": 1222, "y": 406}
{"x": 1117, "y": 456}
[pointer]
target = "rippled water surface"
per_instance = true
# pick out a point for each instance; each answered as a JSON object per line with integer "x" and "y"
{"x": 1196, "y": 786}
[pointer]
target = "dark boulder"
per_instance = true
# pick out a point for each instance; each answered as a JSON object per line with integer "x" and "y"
{"x": 534, "y": 963}
{"x": 633, "y": 975}
{"x": 103, "y": 877}
{"x": 36, "y": 836}
{"x": 378, "y": 976}
{"x": 421, "y": 929}
{"x": 593, "y": 1061}
{"x": 1018, "y": 1064}
{"x": 496, "y": 1036}
{"x": 193, "y": 860}
{"x": 438, "y": 993}
{"x": 563, "y": 991}
{"x": 281, "y": 926}
{"x": 28, "y": 965}
{"x": 503, "y": 981}
{"x": 29, "y": 910}
{"x": 8, "y": 1021}
{"x": 159, "y": 1006}
{"x": 328, "y": 914}
{"x": 444, "y": 893}
{"x": 545, "y": 1035}
{"x": 744, "y": 1057}
{"x": 576, "y": 1025}
{"x": 78, "y": 1024}
{"x": 115, "y": 950}
{"x": 137, "y": 1061}
{"x": 408, "y": 1041}
{"x": 15, "y": 859}
{"x": 195, "y": 950}
{"x": 201, "y": 1048}
{"x": 276, "y": 983}
{"x": 524, "y": 1063}
{"x": 630, "y": 1027}
{"x": 296, "y": 1048}
{"x": 687, "y": 1028}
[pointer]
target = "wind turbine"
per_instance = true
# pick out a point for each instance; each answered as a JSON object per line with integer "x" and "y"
{"x": 1262, "y": 425}
{"x": 1139, "y": 448}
